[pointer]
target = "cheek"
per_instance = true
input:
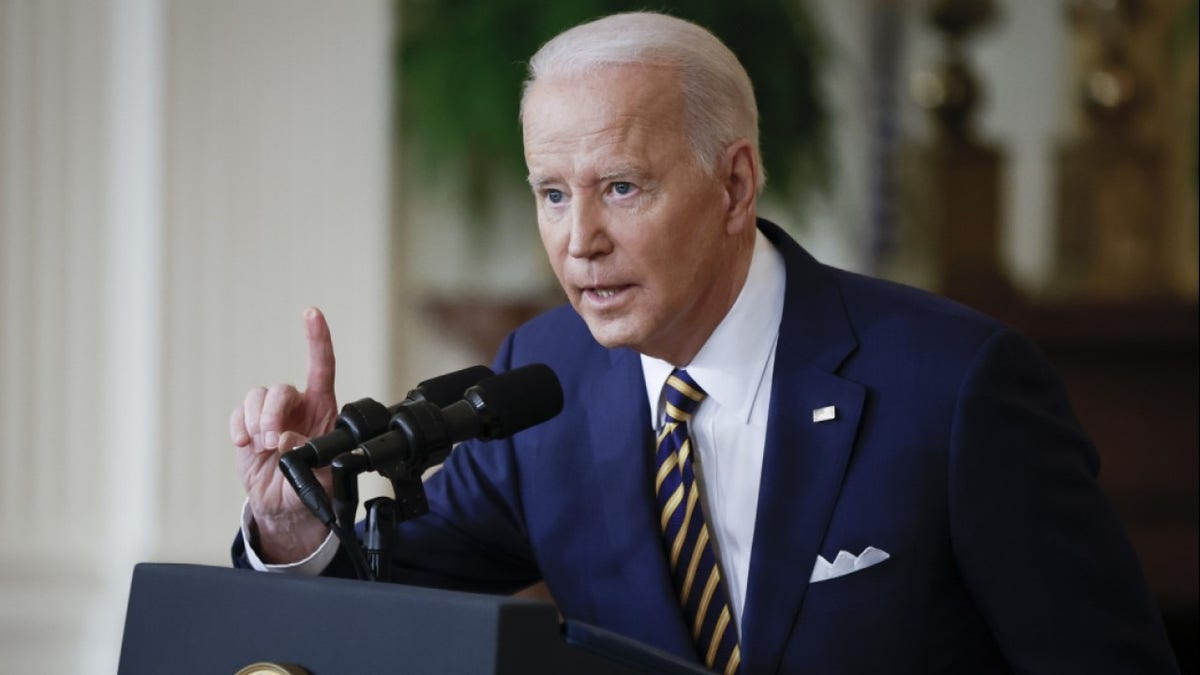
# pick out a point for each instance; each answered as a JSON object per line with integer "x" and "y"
{"x": 680, "y": 278}
{"x": 554, "y": 242}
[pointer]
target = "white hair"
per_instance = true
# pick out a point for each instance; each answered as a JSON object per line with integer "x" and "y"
{"x": 718, "y": 99}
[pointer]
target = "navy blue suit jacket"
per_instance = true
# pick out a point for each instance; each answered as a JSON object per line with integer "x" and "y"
{"x": 953, "y": 449}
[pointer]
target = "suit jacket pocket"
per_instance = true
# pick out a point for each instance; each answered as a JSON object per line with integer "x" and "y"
{"x": 861, "y": 590}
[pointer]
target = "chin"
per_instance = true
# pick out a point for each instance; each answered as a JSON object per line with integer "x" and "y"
{"x": 612, "y": 333}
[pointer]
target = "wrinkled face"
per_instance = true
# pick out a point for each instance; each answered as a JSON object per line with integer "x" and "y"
{"x": 634, "y": 228}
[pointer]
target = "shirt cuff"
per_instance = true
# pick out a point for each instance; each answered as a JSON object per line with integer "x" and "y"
{"x": 311, "y": 566}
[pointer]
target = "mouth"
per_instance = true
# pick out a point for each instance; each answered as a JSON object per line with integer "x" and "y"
{"x": 605, "y": 295}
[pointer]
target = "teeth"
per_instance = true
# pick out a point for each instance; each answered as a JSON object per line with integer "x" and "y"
{"x": 605, "y": 293}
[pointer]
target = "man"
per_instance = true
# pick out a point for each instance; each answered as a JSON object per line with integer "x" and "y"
{"x": 763, "y": 464}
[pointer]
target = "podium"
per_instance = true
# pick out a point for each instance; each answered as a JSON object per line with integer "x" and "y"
{"x": 185, "y": 619}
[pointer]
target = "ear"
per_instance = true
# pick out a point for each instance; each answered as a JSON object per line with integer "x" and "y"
{"x": 741, "y": 186}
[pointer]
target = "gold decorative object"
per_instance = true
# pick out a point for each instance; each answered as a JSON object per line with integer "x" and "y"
{"x": 1112, "y": 183}
{"x": 952, "y": 202}
{"x": 267, "y": 668}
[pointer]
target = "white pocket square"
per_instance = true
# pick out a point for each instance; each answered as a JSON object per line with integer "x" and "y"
{"x": 845, "y": 563}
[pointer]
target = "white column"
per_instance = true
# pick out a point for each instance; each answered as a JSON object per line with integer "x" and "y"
{"x": 54, "y": 177}
{"x": 135, "y": 288}
{"x": 50, "y": 274}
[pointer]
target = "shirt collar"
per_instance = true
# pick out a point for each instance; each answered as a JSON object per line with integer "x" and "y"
{"x": 731, "y": 364}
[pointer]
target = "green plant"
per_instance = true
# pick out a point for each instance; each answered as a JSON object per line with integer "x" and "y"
{"x": 460, "y": 65}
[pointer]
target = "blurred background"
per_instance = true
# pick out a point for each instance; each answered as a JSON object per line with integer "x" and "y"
{"x": 180, "y": 179}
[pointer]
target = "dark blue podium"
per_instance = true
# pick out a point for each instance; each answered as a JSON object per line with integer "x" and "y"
{"x": 196, "y": 619}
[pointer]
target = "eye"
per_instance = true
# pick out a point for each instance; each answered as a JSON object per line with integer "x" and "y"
{"x": 622, "y": 187}
{"x": 554, "y": 196}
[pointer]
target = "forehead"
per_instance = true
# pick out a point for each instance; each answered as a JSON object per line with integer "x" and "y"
{"x": 636, "y": 111}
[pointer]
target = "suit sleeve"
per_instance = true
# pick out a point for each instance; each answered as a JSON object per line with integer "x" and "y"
{"x": 1039, "y": 547}
{"x": 474, "y": 536}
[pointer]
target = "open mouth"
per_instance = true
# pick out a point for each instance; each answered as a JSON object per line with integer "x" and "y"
{"x": 604, "y": 294}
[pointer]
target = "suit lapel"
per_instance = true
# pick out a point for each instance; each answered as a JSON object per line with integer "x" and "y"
{"x": 802, "y": 477}
{"x": 620, "y": 435}
{"x": 804, "y": 461}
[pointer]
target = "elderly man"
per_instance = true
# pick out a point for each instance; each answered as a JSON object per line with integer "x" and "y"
{"x": 763, "y": 464}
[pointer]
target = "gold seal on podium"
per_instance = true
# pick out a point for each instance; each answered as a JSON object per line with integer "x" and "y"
{"x": 265, "y": 668}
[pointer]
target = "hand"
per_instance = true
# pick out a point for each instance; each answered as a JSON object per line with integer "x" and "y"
{"x": 271, "y": 421}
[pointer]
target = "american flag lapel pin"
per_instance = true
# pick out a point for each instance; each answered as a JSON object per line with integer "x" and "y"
{"x": 824, "y": 414}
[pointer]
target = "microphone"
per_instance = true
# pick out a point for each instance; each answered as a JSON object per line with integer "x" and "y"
{"x": 359, "y": 421}
{"x": 445, "y": 389}
{"x": 367, "y": 418}
{"x": 496, "y": 408}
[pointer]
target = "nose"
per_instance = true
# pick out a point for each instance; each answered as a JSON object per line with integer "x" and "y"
{"x": 589, "y": 230}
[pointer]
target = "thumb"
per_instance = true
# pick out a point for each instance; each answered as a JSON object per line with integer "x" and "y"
{"x": 290, "y": 440}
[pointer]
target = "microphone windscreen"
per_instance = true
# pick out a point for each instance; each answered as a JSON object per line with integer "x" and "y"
{"x": 446, "y": 389}
{"x": 519, "y": 399}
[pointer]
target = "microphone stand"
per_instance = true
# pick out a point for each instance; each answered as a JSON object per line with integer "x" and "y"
{"x": 379, "y": 536}
{"x": 427, "y": 442}
{"x": 383, "y": 513}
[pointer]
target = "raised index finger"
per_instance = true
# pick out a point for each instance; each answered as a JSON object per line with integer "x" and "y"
{"x": 320, "y": 352}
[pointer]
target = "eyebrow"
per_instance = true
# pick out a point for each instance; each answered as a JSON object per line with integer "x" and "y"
{"x": 624, "y": 171}
{"x": 537, "y": 181}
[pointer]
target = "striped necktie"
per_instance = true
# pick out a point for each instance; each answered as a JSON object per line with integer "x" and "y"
{"x": 693, "y": 564}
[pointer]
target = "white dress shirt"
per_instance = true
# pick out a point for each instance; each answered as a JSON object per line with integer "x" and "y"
{"x": 729, "y": 431}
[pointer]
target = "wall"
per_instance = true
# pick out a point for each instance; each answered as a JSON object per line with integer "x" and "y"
{"x": 178, "y": 180}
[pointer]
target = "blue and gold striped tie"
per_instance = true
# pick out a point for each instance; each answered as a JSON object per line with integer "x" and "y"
{"x": 694, "y": 566}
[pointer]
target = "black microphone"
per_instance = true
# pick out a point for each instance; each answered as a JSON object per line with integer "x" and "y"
{"x": 445, "y": 389}
{"x": 496, "y": 408}
{"x": 359, "y": 421}
{"x": 514, "y": 401}
{"x": 366, "y": 418}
